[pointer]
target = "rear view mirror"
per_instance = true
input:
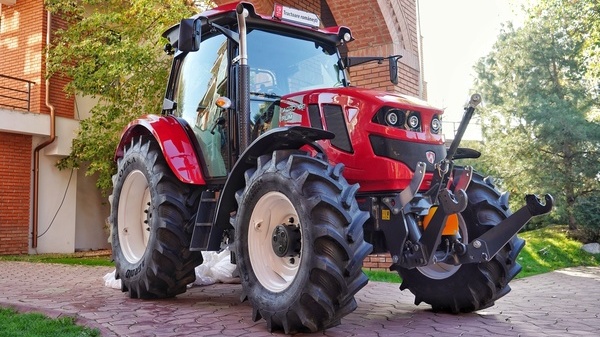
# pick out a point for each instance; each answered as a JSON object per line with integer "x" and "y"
{"x": 190, "y": 33}
{"x": 394, "y": 68}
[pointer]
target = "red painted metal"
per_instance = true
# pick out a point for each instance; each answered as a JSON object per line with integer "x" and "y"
{"x": 230, "y": 7}
{"x": 373, "y": 173}
{"x": 174, "y": 142}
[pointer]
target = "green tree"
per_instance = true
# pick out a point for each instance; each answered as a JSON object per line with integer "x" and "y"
{"x": 541, "y": 98}
{"x": 112, "y": 50}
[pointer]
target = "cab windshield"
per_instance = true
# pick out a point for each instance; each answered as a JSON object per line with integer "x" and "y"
{"x": 281, "y": 64}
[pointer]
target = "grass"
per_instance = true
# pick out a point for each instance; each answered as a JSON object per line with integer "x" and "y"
{"x": 13, "y": 324}
{"x": 86, "y": 259}
{"x": 551, "y": 248}
{"x": 547, "y": 249}
{"x": 383, "y": 276}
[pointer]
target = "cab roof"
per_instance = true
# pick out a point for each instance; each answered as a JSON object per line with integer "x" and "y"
{"x": 225, "y": 15}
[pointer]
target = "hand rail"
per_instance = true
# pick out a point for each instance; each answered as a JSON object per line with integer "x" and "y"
{"x": 13, "y": 97}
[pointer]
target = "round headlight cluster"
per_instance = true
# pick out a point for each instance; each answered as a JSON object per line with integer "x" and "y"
{"x": 394, "y": 117}
{"x": 413, "y": 121}
{"x": 436, "y": 124}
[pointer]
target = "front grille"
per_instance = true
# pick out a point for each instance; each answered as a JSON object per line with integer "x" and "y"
{"x": 334, "y": 117}
{"x": 407, "y": 152}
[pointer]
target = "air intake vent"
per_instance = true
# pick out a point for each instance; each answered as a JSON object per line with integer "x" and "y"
{"x": 334, "y": 117}
{"x": 315, "y": 116}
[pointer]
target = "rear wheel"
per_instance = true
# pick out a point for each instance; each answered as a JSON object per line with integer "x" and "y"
{"x": 471, "y": 286}
{"x": 151, "y": 213}
{"x": 299, "y": 242}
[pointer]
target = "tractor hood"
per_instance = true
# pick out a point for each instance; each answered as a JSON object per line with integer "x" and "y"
{"x": 383, "y": 133}
{"x": 389, "y": 98}
{"x": 370, "y": 109}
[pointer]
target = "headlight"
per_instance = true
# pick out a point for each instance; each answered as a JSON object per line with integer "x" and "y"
{"x": 436, "y": 124}
{"x": 413, "y": 121}
{"x": 394, "y": 117}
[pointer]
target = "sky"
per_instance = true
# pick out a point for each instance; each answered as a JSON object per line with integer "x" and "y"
{"x": 455, "y": 35}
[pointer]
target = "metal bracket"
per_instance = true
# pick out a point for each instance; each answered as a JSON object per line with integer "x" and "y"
{"x": 452, "y": 204}
{"x": 464, "y": 179}
{"x": 397, "y": 202}
{"x": 409, "y": 193}
{"x": 432, "y": 236}
{"x": 485, "y": 247}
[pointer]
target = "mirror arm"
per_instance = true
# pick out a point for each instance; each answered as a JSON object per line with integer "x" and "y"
{"x": 231, "y": 35}
{"x": 350, "y": 61}
{"x": 354, "y": 61}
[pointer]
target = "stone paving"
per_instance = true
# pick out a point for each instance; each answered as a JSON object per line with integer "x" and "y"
{"x": 561, "y": 303}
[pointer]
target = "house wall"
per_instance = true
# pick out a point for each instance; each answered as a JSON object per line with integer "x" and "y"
{"x": 91, "y": 214}
{"x": 63, "y": 212}
{"x": 56, "y": 215}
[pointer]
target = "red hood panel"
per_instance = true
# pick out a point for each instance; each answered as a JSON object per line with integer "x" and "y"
{"x": 355, "y": 110}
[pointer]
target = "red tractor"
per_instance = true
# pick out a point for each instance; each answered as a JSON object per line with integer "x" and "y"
{"x": 265, "y": 148}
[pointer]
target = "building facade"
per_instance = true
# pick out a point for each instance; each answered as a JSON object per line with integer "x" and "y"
{"x": 59, "y": 211}
{"x": 43, "y": 209}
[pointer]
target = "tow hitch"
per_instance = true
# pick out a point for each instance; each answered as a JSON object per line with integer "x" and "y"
{"x": 421, "y": 249}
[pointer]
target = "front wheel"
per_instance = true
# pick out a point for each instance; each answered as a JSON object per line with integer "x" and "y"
{"x": 471, "y": 286}
{"x": 299, "y": 242}
{"x": 150, "y": 224}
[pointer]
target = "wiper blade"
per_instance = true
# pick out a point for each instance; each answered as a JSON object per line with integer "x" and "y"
{"x": 264, "y": 94}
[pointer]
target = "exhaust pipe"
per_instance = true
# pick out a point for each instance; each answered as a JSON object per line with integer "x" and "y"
{"x": 244, "y": 81}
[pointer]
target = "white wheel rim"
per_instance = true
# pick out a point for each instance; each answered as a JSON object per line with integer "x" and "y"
{"x": 273, "y": 272}
{"x": 440, "y": 271}
{"x": 133, "y": 216}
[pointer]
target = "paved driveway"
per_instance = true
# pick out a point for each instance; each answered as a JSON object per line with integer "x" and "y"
{"x": 560, "y": 303}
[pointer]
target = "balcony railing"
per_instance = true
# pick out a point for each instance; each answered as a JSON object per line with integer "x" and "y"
{"x": 15, "y": 92}
{"x": 473, "y": 131}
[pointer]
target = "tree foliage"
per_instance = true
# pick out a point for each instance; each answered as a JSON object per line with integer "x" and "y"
{"x": 540, "y": 124}
{"x": 112, "y": 50}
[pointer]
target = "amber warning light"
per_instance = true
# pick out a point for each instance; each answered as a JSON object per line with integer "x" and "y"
{"x": 297, "y": 16}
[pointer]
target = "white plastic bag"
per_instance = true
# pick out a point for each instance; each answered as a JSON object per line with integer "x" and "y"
{"x": 215, "y": 268}
{"x": 111, "y": 282}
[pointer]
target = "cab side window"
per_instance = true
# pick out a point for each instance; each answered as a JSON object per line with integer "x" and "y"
{"x": 202, "y": 79}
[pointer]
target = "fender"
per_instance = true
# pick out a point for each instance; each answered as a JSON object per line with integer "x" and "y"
{"x": 174, "y": 142}
{"x": 282, "y": 138}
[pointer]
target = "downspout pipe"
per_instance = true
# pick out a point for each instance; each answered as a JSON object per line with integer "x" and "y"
{"x": 420, "y": 51}
{"x": 36, "y": 152}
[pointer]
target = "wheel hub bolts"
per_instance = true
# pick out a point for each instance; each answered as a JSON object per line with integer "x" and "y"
{"x": 286, "y": 240}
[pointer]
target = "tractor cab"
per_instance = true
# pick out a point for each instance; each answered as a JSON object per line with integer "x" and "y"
{"x": 285, "y": 58}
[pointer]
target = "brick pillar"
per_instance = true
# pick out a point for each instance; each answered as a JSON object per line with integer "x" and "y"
{"x": 15, "y": 186}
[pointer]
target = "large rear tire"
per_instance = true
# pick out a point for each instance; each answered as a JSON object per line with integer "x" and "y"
{"x": 470, "y": 287}
{"x": 299, "y": 242}
{"x": 150, "y": 223}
